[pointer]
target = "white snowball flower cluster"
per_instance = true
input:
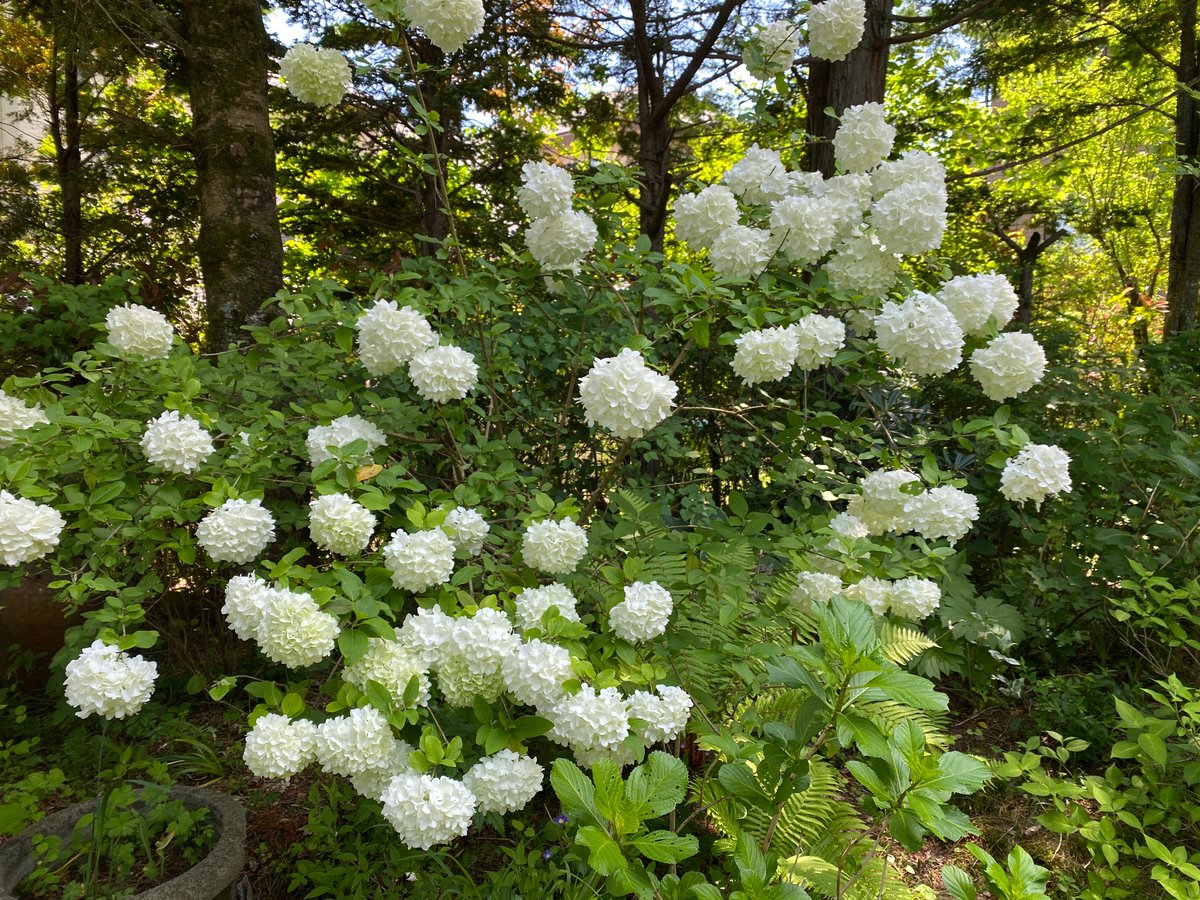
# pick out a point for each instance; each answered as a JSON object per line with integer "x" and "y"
{"x": 941, "y": 512}
{"x": 875, "y": 592}
{"x": 16, "y": 415}
{"x": 279, "y": 747}
{"x": 340, "y": 525}
{"x": 292, "y": 630}
{"x": 554, "y": 547}
{"x": 420, "y": 560}
{"x": 741, "y": 251}
{"x": 765, "y": 355}
{"x": 910, "y": 218}
{"x": 177, "y": 443}
{"x": 815, "y": 587}
{"x": 560, "y": 242}
{"x": 237, "y": 531}
{"x": 626, "y": 396}
{"x": 921, "y": 333}
{"x": 643, "y": 614}
{"x": 1010, "y": 365}
{"x": 109, "y": 682}
{"x": 139, "y": 332}
{"x": 315, "y": 75}
{"x": 818, "y": 339}
{"x": 389, "y": 336}
{"x": 245, "y": 598}
{"x": 835, "y": 27}
{"x": 771, "y": 50}
{"x": 848, "y": 526}
{"x": 665, "y": 715}
{"x": 531, "y": 604}
{"x": 882, "y": 502}
{"x": 467, "y": 528}
{"x": 341, "y": 432}
{"x": 1037, "y": 472}
{"x": 392, "y": 664}
{"x": 545, "y": 190}
{"x": 590, "y": 721}
{"x": 372, "y": 782}
{"x": 861, "y": 265}
{"x": 426, "y": 810}
{"x": 426, "y": 633}
{"x": 504, "y": 782}
{"x": 354, "y": 743}
{"x": 443, "y": 373}
{"x": 913, "y": 598}
{"x": 28, "y": 530}
{"x": 864, "y": 138}
{"x": 701, "y": 218}
{"x": 913, "y": 165}
{"x": 807, "y": 227}
{"x": 535, "y": 672}
{"x": 448, "y": 23}
{"x": 759, "y": 177}
{"x": 472, "y": 658}
{"x": 975, "y": 300}
{"x": 852, "y": 195}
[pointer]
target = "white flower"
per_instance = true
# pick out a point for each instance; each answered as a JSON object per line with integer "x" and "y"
{"x": 139, "y": 332}
{"x": 910, "y": 218}
{"x": 372, "y": 782}
{"x": 425, "y": 810}
{"x": 28, "y": 530}
{"x": 246, "y": 597}
{"x": 1035, "y": 473}
{"x": 701, "y": 218}
{"x": 420, "y": 560}
{"x": 426, "y": 633}
{"x": 178, "y": 444}
{"x": 237, "y": 531}
{"x": 340, "y": 525}
{"x": 532, "y": 603}
{"x": 505, "y": 782}
{"x": 835, "y": 27}
{"x": 535, "y": 672}
{"x": 314, "y": 75}
{"x": 461, "y": 686}
{"x": 643, "y": 614}
{"x": 449, "y": 23}
{"x": 741, "y": 251}
{"x": 848, "y": 526}
{"x": 941, "y": 512}
{"x": 665, "y": 715}
{"x": 590, "y": 720}
{"x": 16, "y": 415}
{"x": 765, "y": 355}
{"x": 759, "y": 177}
{"x": 864, "y": 138}
{"x": 341, "y": 432}
{"x": 108, "y": 681}
{"x": 875, "y": 592}
{"x": 850, "y": 195}
{"x": 293, "y": 631}
{"x": 1010, "y": 365}
{"x": 545, "y": 191}
{"x": 861, "y": 265}
{"x": 913, "y": 165}
{"x": 914, "y": 598}
{"x": 920, "y": 333}
{"x": 815, "y": 587}
{"x": 389, "y": 336}
{"x": 818, "y": 339}
{"x": 467, "y": 528}
{"x": 443, "y": 373}
{"x": 279, "y": 747}
{"x": 776, "y": 44}
{"x": 554, "y": 547}
{"x": 481, "y": 641}
{"x": 624, "y": 395}
{"x": 882, "y": 503}
{"x": 354, "y": 743}
{"x": 976, "y": 299}
{"x": 561, "y": 242}
{"x": 393, "y": 665}
{"x": 807, "y": 227}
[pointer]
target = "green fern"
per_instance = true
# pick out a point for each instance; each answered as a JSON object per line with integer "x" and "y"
{"x": 901, "y": 643}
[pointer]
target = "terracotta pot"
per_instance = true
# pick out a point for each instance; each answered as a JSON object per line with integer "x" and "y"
{"x": 213, "y": 878}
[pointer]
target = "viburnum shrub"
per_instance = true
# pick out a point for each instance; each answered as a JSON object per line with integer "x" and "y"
{"x": 420, "y": 507}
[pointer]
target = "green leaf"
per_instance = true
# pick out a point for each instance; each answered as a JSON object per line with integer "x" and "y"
{"x": 957, "y": 773}
{"x": 660, "y": 782}
{"x": 108, "y": 492}
{"x": 911, "y": 690}
{"x": 353, "y": 644}
{"x": 609, "y": 792}
{"x": 958, "y": 883}
{"x": 737, "y": 778}
{"x": 604, "y": 854}
{"x": 575, "y": 791}
{"x": 869, "y": 778}
{"x": 1154, "y": 747}
{"x": 529, "y": 726}
{"x": 665, "y": 847}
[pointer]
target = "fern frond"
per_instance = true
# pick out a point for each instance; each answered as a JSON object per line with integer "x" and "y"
{"x": 900, "y": 643}
{"x": 888, "y": 715}
{"x": 821, "y": 877}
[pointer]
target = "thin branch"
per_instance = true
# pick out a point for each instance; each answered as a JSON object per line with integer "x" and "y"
{"x": 908, "y": 37}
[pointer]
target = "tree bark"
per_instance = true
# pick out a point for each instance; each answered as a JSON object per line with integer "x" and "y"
{"x": 1183, "y": 266}
{"x": 859, "y": 78}
{"x": 66, "y": 130}
{"x": 240, "y": 247}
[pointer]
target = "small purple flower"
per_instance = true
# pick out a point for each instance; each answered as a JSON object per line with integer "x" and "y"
{"x": 561, "y": 819}
{"x": 547, "y": 853}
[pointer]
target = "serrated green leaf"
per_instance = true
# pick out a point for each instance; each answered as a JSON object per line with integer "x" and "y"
{"x": 575, "y": 791}
{"x": 604, "y": 854}
{"x": 666, "y": 847}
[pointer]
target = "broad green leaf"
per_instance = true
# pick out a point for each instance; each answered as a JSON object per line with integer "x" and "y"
{"x": 958, "y": 883}
{"x": 911, "y": 690}
{"x": 353, "y": 644}
{"x": 660, "y": 782}
{"x": 665, "y": 847}
{"x": 869, "y": 778}
{"x": 957, "y": 773}
{"x": 609, "y": 791}
{"x": 575, "y": 791}
{"x": 604, "y": 854}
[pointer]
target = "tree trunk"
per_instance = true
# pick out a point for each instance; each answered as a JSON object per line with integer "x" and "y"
{"x": 860, "y": 78}
{"x": 68, "y": 157}
{"x": 1183, "y": 267}
{"x": 240, "y": 248}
